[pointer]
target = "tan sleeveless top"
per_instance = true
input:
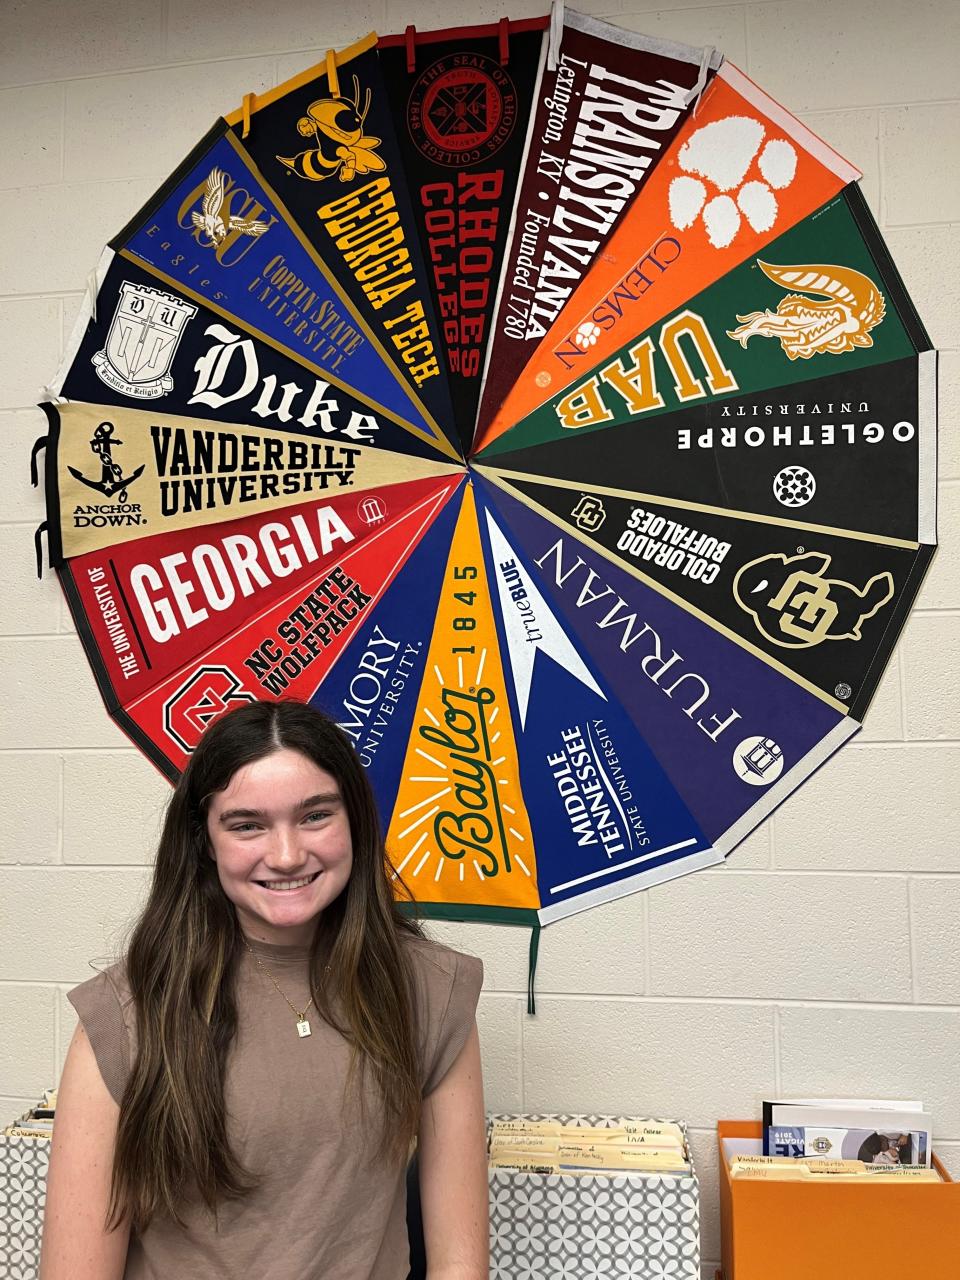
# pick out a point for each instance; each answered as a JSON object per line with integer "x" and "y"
{"x": 326, "y": 1208}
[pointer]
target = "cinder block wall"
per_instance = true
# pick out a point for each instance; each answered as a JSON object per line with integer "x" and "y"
{"x": 824, "y": 957}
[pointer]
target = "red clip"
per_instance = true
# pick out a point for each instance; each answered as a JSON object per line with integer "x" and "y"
{"x": 410, "y": 38}
{"x": 504, "y": 34}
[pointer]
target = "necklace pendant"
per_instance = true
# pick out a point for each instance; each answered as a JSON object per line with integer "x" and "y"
{"x": 303, "y": 1028}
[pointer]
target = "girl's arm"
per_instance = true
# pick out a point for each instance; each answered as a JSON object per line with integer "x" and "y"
{"x": 76, "y": 1244}
{"x": 453, "y": 1172}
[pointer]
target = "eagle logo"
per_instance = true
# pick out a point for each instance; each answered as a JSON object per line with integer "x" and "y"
{"x": 212, "y": 223}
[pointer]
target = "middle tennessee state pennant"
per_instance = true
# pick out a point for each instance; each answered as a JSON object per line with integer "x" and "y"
{"x": 325, "y": 143}
{"x": 463, "y": 111}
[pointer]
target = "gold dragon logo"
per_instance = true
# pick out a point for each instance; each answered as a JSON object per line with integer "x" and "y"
{"x": 808, "y": 328}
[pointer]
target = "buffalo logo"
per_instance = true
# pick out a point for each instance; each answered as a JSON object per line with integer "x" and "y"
{"x": 805, "y": 327}
{"x": 795, "y": 606}
{"x": 209, "y": 693}
{"x": 112, "y": 482}
{"x": 462, "y": 110}
{"x": 588, "y": 514}
{"x": 339, "y": 144}
{"x": 144, "y": 334}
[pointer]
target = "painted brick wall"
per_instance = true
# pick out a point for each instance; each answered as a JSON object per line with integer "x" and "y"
{"x": 824, "y": 957}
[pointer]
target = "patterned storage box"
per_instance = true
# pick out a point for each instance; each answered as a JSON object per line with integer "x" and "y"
{"x": 23, "y": 1187}
{"x": 635, "y": 1226}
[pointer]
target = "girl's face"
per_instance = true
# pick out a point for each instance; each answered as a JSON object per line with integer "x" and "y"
{"x": 280, "y": 836}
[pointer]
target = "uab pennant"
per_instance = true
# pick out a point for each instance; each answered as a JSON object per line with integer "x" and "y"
{"x": 144, "y": 334}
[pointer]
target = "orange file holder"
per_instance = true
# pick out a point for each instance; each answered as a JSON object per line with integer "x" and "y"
{"x": 798, "y": 1231}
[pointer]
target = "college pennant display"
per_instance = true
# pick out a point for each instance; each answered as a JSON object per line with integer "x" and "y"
{"x": 606, "y": 112}
{"x": 584, "y": 646}
{"x": 463, "y": 101}
{"x": 325, "y": 143}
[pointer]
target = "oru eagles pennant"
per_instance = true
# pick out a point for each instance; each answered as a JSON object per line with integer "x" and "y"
{"x": 324, "y": 142}
{"x": 218, "y": 234}
{"x": 737, "y": 175}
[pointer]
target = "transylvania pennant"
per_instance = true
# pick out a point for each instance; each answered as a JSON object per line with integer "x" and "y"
{"x": 607, "y": 111}
{"x": 688, "y": 229}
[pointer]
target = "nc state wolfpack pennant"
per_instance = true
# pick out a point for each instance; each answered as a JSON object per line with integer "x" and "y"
{"x": 150, "y": 347}
{"x": 463, "y": 101}
{"x": 214, "y": 231}
{"x": 325, "y": 143}
{"x": 738, "y": 174}
{"x": 606, "y": 114}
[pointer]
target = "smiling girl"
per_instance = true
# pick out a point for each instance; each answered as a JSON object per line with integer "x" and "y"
{"x": 243, "y": 1090}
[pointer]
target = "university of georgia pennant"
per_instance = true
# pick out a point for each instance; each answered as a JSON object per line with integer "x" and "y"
{"x": 462, "y": 101}
{"x": 325, "y": 144}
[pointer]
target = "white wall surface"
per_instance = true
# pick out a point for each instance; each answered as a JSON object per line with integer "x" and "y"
{"x": 823, "y": 958}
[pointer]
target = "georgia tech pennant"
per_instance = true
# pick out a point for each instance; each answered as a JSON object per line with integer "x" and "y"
{"x": 329, "y": 153}
{"x": 463, "y": 117}
{"x": 604, "y": 118}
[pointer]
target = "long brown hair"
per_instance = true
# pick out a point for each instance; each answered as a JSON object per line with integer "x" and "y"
{"x": 182, "y": 958}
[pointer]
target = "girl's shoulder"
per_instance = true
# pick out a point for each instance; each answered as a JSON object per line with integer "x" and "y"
{"x": 427, "y": 954}
{"x": 104, "y": 1005}
{"x": 447, "y": 989}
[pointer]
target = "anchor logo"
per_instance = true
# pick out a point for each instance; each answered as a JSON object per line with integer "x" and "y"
{"x": 112, "y": 481}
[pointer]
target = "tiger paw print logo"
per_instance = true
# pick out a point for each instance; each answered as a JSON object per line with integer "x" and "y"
{"x": 586, "y": 335}
{"x": 732, "y": 170}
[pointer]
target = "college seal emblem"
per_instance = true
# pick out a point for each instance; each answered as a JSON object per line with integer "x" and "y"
{"x": 462, "y": 109}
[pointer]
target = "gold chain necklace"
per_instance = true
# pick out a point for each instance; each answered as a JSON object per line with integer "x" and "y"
{"x": 303, "y": 1026}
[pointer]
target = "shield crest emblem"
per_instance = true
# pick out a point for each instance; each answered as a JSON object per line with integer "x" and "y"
{"x": 146, "y": 329}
